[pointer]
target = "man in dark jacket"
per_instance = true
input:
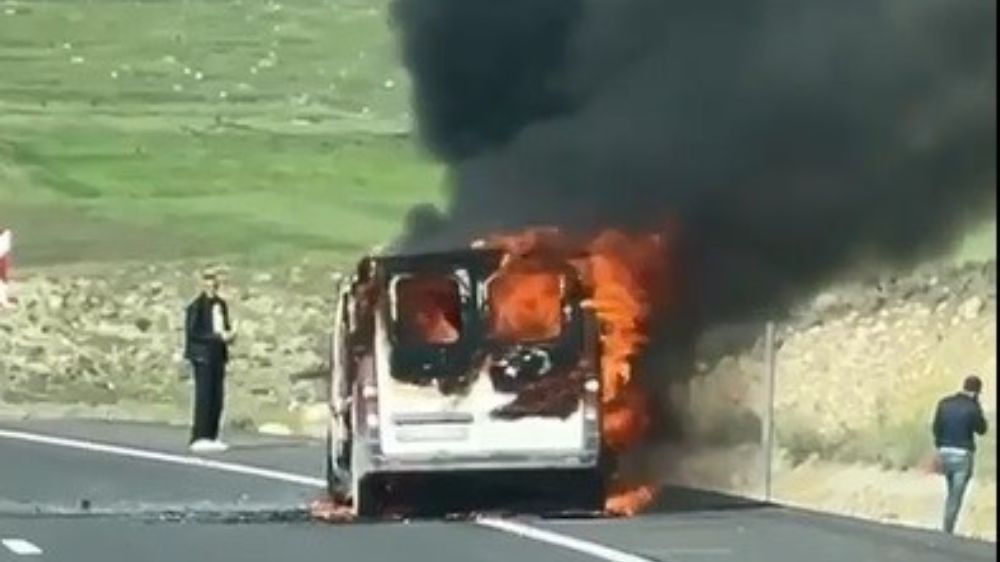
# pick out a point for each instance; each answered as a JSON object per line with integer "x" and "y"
{"x": 208, "y": 333}
{"x": 958, "y": 419}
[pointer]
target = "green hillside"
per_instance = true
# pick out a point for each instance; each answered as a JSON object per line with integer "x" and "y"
{"x": 165, "y": 129}
{"x": 155, "y": 129}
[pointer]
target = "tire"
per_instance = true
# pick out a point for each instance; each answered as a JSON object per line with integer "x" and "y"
{"x": 368, "y": 496}
{"x": 594, "y": 492}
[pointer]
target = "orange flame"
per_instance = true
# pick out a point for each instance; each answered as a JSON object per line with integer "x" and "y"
{"x": 628, "y": 502}
{"x": 618, "y": 267}
{"x": 525, "y": 305}
{"x": 625, "y": 277}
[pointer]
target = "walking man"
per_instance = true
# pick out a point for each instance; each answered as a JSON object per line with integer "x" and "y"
{"x": 958, "y": 419}
{"x": 208, "y": 333}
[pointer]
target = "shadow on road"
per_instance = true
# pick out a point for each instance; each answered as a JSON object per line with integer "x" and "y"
{"x": 677, "y": 499}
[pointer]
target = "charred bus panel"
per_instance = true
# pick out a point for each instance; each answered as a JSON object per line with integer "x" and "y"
{"x": 440, "y": 367}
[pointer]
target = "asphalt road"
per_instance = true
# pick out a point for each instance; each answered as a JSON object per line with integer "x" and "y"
{"x": 145, "y": 499}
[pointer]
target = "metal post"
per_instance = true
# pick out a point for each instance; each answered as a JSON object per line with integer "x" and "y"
{"x": 767, "y": 428}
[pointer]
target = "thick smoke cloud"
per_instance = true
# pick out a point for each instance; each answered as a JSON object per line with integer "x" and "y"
{"x": 790, "y": 139}
{"x": 485, "y": 70}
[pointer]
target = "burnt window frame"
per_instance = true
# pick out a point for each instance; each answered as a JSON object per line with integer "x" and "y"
{"x": 465, "y": 296}
{"x": 566, "y": 350}
{"x": 566, "y": 312}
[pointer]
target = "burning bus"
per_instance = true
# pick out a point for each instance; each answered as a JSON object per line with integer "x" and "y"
{"x": 473, "y": 365}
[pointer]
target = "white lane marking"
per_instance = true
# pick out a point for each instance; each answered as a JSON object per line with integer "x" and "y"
{"x": 541, "y": 535}
{"x": 164, "y": 457}
{"x": 21, "y": 547}
{"x": 595, "y": 550}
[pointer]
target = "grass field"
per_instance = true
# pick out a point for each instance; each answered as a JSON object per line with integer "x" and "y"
{"x": 169, "y": 129}
{"x": 155, "y": 129}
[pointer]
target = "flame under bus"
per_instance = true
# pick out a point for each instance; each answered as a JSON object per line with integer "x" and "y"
{"x": 461, "y": 369}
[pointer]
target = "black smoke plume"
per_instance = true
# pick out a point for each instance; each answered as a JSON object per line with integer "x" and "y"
{"x": 789, "y": 139}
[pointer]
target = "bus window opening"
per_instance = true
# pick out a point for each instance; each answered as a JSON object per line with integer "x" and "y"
{"x": 429, "y": 309}
{"x": 525, "y": 306}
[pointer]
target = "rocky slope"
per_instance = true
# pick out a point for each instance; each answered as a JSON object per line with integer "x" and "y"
{"x": 858, "y": 373}
{"x": 861, "y": 370}
{"x": 863, "y": 357}
{"x": 110, "y": 340}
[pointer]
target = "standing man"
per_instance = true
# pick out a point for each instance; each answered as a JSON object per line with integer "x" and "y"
{"x": 208, "y": 333}
{"x": 958, "y": 419}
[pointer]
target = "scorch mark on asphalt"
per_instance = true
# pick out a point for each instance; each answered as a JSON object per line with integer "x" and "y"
{"x": 591, "y": 549}
{"x": 21, "y": 547}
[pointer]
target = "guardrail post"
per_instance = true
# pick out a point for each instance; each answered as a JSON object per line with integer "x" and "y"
{"x": 767, "y": 428}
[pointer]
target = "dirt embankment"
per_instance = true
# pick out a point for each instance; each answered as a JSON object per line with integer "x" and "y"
{"x": 109, "y": 342}
{"x": 859, "y": 370}
{"x": 876, "y": 356}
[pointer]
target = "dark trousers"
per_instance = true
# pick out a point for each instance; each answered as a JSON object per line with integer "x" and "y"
{"x": 209, "y": 386}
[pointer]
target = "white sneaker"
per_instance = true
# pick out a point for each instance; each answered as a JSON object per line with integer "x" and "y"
{"x": 201, "y": 446}
{"x": 219, "y": 447}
